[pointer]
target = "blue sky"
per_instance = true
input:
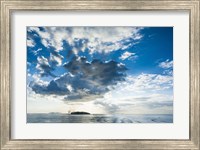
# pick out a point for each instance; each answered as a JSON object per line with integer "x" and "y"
{"x": 110, "y": 70}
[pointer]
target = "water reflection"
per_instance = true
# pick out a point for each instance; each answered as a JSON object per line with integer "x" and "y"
{"x": 68, "y": 118}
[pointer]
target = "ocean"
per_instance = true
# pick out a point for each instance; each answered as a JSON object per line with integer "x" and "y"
{"x": 98, "y": 118}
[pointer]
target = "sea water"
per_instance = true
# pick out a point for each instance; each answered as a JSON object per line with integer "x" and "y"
{"x": 98, "y": 118}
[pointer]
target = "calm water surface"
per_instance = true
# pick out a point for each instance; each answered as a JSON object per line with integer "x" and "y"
{"x": 68, "y": 118}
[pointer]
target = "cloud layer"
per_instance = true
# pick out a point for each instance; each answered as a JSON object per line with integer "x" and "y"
{"x": 95, "y": 39}
{"x": 83, "y": 80}
{"x": 127, "y": 55}
{"x": 139, "y": 94}
{"x": 86, "y": 68}
{"x": 166, "y": 64}
{"x": 44, "y": 67}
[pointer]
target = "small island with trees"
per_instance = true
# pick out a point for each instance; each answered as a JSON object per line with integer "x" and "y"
{"x": 79, "y": 113}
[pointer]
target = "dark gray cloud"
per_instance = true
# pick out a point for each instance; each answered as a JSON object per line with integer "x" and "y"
{"x": 72, "y": 87}
{"x": 97, "y": 71}
{"x": 51, "y": 88}
{"x": 84, "y": 80}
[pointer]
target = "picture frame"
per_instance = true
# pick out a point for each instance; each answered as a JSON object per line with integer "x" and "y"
{"x": 8, "y": 6}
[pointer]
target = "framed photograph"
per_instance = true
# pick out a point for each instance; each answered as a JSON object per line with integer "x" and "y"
{"x": 99, "y": 74}
{"x": 91, "y": 69}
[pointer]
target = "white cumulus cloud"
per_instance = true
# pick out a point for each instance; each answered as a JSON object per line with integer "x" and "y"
{"x": 166, "y": 64}
{"x": 96, "y": 39}
{"x": 30, "y": 43}
{"x": 127, "y": 55}
{"x": 35, "y": 52}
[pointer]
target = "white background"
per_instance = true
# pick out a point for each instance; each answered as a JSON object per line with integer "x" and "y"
{"x": 177, "y": 130}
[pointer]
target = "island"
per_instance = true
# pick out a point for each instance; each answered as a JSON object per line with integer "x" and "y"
{"x": 79, "y": 113}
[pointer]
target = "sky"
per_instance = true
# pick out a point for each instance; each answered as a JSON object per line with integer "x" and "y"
{"x": 100, "y": 70}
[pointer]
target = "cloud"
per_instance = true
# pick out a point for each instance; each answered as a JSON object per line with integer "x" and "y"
{"x": 35, "y": 52}
{"x": 43, "y": 35}
{"x": 30, "y": 43}
{"x": 106, "y": 39}
{"x": 168, "y": 72}
{"x": 109, "y": 106}
{"x": 72, "y": 87}
{"x": 134, "y": 95}
{"x": 166, "y": 64}
{"x": 140, "y": 94}
{"x": 84, "y": 80}
{"x": 95, "y": 39}
{"x": 40, "y": 33}
{"x": 80, "y": 39}
{"x": 51, "y": 88}
{"x": 51, "y": 36}
{"x": 151, "y": 104}
{"x": 145, "y": 83}
{"x": 56, "y": 60}
{"x": 160, "y": 104}
{"x": 45, "y": 43}
{"x": 97, "y": 71}
{"x": 44, "y": 67}
{"x": 127, "y": 55}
